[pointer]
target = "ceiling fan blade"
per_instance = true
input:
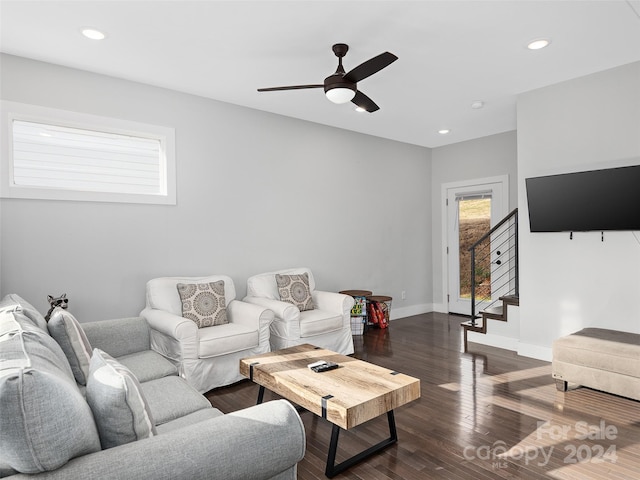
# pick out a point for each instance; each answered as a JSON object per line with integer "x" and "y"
{"x": 292, "y": 87}
{"x": 370, "y": 67}
{"x": 362, "y": 101}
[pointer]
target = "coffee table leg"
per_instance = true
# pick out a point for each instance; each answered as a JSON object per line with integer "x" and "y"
{"x": 332, "y": 469}
{"x": 260, "y": 395}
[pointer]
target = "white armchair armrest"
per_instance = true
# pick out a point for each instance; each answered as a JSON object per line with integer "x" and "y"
{"x": 177, "y": 337}
{"x": 332, "y": 302}
{"x": 172, "y": 325}
{"x": 282, "y": 310}
{"x": 255, "y": 316}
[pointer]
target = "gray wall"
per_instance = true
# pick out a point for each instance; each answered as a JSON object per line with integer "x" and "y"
{"x": 484, "y": 157}
{"x": 256, "y": 192}
{"x": 366, "y": 212}
{"x": 584, "y": 124}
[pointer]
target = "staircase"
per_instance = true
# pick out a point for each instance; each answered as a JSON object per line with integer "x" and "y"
{"x": 495, "y": 288}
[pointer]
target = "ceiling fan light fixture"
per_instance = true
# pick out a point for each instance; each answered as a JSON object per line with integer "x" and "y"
{"x": 340, "y": 95}
{"x": 341, "y": 87}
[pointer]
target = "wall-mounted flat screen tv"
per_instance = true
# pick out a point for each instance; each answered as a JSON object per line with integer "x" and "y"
{"x": 578, "y": 202}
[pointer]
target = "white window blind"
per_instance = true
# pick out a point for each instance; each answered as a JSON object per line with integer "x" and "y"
{"x": 69, "y": 158}
{"x": 53, "y": 154}
{"x": 472, "y": 196}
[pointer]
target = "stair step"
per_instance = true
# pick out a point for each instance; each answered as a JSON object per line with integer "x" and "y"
{"x": 495, "y": 313}
{"x": 511, "y": 299}
{"x": 478, "y": 327}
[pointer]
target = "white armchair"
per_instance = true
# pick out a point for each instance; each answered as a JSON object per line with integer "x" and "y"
{"x": 206, "y": 357}
{"x": 328, "y": 325}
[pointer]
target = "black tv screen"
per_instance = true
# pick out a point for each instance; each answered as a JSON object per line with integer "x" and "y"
{"x": 584, "y": 201}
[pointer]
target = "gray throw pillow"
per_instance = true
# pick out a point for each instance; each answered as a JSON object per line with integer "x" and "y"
{"x": 27, "y": 309}
{"x": 44, "y": 419}
{"x": 66, "y": 330}
{"x": 204, "y": 303}
{"x": 295, "y": 289}
{"x": 119, "y": 408}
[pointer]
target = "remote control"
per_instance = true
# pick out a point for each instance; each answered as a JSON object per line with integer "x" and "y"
{"x": 316, "y": 364}
{"x": 325, "y": 367}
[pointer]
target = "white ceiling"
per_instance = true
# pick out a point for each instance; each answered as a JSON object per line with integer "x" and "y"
{"x": 451, "y": 53}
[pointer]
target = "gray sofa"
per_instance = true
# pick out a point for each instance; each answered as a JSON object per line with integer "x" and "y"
{"x": 122, "y": 412}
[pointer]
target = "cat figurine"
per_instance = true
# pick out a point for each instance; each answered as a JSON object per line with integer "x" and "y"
{"x": 62, "y": 301}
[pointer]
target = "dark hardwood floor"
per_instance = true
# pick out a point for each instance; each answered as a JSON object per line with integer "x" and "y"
{"x": 482, "y": 415}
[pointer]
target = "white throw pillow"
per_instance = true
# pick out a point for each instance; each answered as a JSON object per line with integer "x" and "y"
{"x": 119, "y": 408}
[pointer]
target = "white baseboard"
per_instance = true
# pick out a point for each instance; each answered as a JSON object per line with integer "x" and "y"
{"x": 402, "y": 312}
{"x": 535, "y": 351}
{"x": 513, "y": 344}
{"x": 498, "y": 341}
{"x": 441, "y": 307}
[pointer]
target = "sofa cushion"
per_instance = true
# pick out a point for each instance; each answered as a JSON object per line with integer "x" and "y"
{"x": 117, "y": 401}
{"x": 66, "y": 330}
{"x": 148, "y": 365}
{"x": 41, "y": 403}
{"x": 171, "y": 398}
{"x": 189, "y": 419}
{"x": 295, "y": 289}
{"x": 28, "y": 310}
{"x": 601, "y": 349}
{"x": 204, "y": 303}
{"x": 225, "y": 339}
{"x": 316, "y": 322}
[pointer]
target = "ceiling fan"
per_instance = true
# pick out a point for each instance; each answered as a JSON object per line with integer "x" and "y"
{"x": 341, "y": 87}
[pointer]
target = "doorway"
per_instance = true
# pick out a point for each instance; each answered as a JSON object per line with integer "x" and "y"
{"x": 471, "y": 210}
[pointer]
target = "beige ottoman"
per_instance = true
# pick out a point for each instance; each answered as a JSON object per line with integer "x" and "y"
{"x": 598, "y": 358}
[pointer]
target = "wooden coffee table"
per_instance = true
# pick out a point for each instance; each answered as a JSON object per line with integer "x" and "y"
{"x": 355, "y": 393}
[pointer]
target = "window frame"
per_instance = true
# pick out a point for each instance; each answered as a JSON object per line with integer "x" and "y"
{"x": 33, "y": 113}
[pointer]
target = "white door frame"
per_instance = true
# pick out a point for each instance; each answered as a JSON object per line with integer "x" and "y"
{"x": 471, "y": 184}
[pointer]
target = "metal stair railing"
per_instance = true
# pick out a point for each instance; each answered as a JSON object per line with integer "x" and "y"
{"x": 494, "y": 266}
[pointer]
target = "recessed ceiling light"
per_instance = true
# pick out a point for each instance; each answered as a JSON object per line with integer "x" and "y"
{"x": 538, "y": 43}
{"x": 92, "y": 33}
{"x": 477, "y": 104}
{"x": 360, "y": 109}
{"x": 444, "y": 131}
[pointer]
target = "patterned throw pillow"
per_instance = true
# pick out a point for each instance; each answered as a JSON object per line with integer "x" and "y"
{"x": 204, "y": 303}
{"x": 119, "y": 408}
{"x": 295, "y": 289}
